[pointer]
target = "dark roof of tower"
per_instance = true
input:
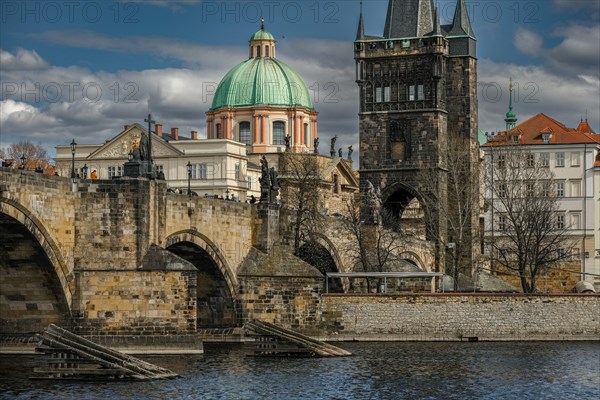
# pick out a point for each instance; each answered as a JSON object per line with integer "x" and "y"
{"x": 461, "y": 25}
{"x": 408, "y": 18}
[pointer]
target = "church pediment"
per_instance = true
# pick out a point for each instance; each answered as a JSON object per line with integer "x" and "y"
{"x": 120, "y": 146}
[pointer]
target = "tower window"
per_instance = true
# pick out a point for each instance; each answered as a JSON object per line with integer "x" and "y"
{"x": 245, "y": 132}
{"x": 387, "y": 93}
{"x": 378, "y": 97}
{"x": 266, "y": 51}
{"x": 420, "y": 92}
{"x": 218, "y": 131}
{"x": 257, "y": 51}
{"x": 278, "y": 132}
{"x": 411, "y": 93}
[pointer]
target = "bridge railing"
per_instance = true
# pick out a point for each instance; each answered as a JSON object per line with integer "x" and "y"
{"x": 387, "y": 282}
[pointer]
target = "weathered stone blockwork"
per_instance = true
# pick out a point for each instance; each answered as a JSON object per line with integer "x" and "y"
{"x": 458, "y": 317}
{"x": 135, "y": 302}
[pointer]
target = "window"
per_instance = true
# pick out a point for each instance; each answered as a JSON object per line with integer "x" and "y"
{"x": 560, "y": 159}
{"x": 266, "y": 51}
{"x": 306, "y": 138}
{"x": 560, "y": 189}
{"x": 237, "y": 172}
{"x": 545, "y": 159}
{"x": 576, "y": 188}
{"x": 502, "y": 190}
{"x": 530, "y": 160}
{"x": 501, "y": 161}
{"x": 378, "y": 97}
{"x": 199, "y": 171}
{"x": 560, "y": 222}
{"x": 420, "y": 92}
{"x": 575, "y": 253}
{"x": 115, "y": 171}
{"x": 515, "y": 139}
{"x": 529, "y": 189}
{"x": 575, "y": 221}
{"x": 336, "y": 184}
{"x": 387, "y": 93}
{"x": 545, "y": 138}
{"x": 278, "y": 132}
{"x": 546, "y": 189}
{"x": 574, "y": 159}
{"x": 411, "y": 93}
{"x": 561, "y": 253}
{"x": 502, "y": 222}
{"x": 249, "y": 180}
{"x": 257, "y": 51}
{"x": 218, "y": 131}
{"x": 159, "y": 169}
{"x": 245, "y": 132}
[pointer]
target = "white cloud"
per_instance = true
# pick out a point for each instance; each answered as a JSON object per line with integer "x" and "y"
{"x": 528, "y": 42}
{"x": 22, "y": 60}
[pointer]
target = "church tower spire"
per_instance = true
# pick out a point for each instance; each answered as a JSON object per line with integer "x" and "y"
{"x": 461, "y": 24}
{"x": 511, "y": 117}
{"x": 408, "y": 18}
{"x": 360, "y": 33}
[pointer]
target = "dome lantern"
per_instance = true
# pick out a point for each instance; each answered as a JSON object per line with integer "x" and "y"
{"x": 262, "y": 43}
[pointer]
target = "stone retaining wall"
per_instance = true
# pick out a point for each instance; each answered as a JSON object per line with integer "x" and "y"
{"x": 460, "y": 317}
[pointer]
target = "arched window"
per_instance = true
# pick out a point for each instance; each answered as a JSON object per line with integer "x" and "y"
{"x": 278, "y": 132}
{"x": 257, "y": 51}
{"x": 218, "y": 131}
{"x": 306, "y": 138}
{"x": 266, "y": 51}
{"x": 245, "y": 132}
{"x": 336, "y": 184}
{"x": 378, "y": 93}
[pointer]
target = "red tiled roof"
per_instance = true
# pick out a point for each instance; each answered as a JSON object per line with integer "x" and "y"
{"x": 530, "y": 132}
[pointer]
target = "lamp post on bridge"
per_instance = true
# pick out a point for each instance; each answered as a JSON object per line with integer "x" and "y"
{"x": 189, "y": 171}
{"x": 23, "y": 159}
{"x": 73, "y": 147}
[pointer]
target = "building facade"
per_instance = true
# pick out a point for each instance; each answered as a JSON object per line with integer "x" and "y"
{"x": 571, "y": 157}
{"x": 218, "y": 167}
{"x": 418, "y": 86}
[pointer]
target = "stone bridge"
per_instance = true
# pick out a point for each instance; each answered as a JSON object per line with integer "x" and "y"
{"x": 125, "y": 257}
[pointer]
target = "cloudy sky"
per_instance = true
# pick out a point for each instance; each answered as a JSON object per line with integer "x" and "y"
{"x": 83, "y": 69}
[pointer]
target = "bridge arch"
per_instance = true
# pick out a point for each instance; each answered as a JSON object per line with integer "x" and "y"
{"x": 216, "y": 285}
{"x": 36, "y": 228}
{"x": 202, "y": 241}
{"x": 414, "y": 259}
{"x": 322, "y": 254}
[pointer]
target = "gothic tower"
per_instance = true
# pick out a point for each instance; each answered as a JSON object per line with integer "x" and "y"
{"x": 418, "y": 85}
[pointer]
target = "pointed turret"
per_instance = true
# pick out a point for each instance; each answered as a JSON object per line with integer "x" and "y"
{"x": 461, "y": 24}
{"x": 360, "y": 33}
{"x": 408, "y": 18}
{"x": 511, "y": 117}
{"x": 437, "y": 29}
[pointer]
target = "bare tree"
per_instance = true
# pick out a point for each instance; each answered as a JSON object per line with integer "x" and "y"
{"x": 34, "y": 154}
{"x": 375, "y": 243}
{"x": 531, "y": 235}
{"x": 300, "y": 180}
{"x": 453, "y": 190}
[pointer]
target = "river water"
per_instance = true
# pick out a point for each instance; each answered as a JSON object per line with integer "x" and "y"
{"x": 393, "y": 370}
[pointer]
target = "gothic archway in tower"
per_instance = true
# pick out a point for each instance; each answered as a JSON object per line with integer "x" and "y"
{"x": 404, "y": 205}
{"x": 32, "y": 294}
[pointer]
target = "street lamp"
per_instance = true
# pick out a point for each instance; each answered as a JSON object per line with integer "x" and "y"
{"x": 84, "y": 170}
{"x": 73, "y": 146}
{"x": 130, "y": 156}
{"x": 23, "y": 159}
{"x": 189, "y": 171}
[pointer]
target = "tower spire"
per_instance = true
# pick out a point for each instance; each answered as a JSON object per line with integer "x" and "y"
{"x": 461, "y": 25}
{"x": 511, "y": 117}
{"x": 437, "y": 29}
{"x": 408, "y": 18}
{"x": 360, "y": 33}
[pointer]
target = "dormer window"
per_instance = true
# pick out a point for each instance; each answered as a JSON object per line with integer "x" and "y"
{"x": 515, "y": 139}
{"x": 545, "y": 138}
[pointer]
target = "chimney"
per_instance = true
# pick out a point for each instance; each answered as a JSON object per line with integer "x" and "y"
{"x": 194, "y": 135}
{"x": 175, "y": 133}
{"x": 158, "y": 129}
{"x": 125, "y": 127}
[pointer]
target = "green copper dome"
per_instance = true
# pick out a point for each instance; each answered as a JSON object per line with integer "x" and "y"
{"x": 262, "y": 81}
{"x": 262, "y": 35}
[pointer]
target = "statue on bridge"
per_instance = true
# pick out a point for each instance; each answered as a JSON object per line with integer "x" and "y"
{"x": 374, "y": 202}
{"x": 269, "y": 188}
